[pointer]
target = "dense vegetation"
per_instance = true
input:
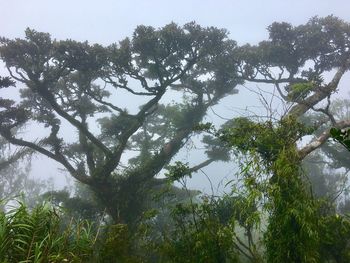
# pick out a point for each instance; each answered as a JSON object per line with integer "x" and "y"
{"x": 289, "y": 202}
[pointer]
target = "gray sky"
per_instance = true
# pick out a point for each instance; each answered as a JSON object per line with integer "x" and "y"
{"x": 107, "y": 21}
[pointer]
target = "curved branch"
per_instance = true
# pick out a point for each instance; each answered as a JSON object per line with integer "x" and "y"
{"x": 116, "y": 85}
{"x": 108, "y": 104}
{"x": 57, "y": 157}
{"x": 113, "y": 162}
{"x": 45, "y": 93}
{"x": 320, "y": 140}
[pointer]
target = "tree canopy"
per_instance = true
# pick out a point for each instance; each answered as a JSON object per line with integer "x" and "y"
{"x": 67, "y": 87}
{"x": 115, "y": 116}
{"x": 67, "y": 83}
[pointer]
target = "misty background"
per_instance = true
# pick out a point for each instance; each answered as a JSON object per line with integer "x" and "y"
{"x": 106, "y": 22}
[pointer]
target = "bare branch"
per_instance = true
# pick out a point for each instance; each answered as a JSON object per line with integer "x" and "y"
{"x": 273, "y": 81}
{"x": 108, "y": 104}
{"x": 116, "y": 85}
{"x": 201, "y": 165}
{"x": 326, "y": 111}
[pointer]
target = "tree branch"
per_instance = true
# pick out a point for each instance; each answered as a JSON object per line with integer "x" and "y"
{"x": 14, "y": 158}
{"x": 45, "y": 93}
{"x": 320, "y": 140}
{"x": 57, "y": 157}
{"x": 87, "y": 148}
{"x": 320, "y": 94}
{"x": 113, "y": 162}
{"x": 116, "y": 85}
{"x": 201, "y": 165}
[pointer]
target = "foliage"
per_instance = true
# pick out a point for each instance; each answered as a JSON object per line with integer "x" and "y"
{"x": 36, "y": 236}
{"x": 322, "y": 40}
{"x": 15, "y": 180}
{"x": 117, "y": 246}
{"x": 297, "y": 221}
{"x": 212, "y": 229}
{"x": 291, "y": 234}
{"x": 335, "y": 242}
{"x": 300, "y": 91}
{"x": 342, "y": 136}
{"x": 177, "y": 171}
{"x": 77, "y": 83}
{"x": 198, "y": 236}
{"x": 265, "y": 138}
{"x": 74, "y": 206}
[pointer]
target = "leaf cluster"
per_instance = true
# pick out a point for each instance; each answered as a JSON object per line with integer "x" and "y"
{"x": 265, "y": 138}
{"x": 36, "y": 236}
{"x": 342, "y": 136}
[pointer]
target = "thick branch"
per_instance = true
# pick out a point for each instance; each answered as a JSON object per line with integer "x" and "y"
{"x": 156, "y": 164}
{"x": 320, "y": 140}
{"x": 201, "y": 165}
{"x": 45, "y": 93}
{"x": 87, "y": 148}
{"x": 113, "y": 162}
{"x": 169, "y": 150}
{"x": 320, "y": 94}
{"x": 280, "y": 92}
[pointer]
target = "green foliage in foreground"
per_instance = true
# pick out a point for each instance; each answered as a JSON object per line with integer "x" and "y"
{"x": 37, "y": 236}
{"x": 226, "y": 229}
{"x": 270, "y": 216}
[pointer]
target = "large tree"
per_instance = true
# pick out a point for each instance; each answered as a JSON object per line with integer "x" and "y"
{"x": 297, "y": 61}
{"x": 67, "y": 87}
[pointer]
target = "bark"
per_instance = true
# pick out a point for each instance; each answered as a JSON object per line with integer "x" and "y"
{"x": 320, "y": 140}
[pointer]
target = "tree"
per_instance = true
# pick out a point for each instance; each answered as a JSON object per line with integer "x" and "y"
{"x": 68, "y": 86}
{"x": 296, "y": 62}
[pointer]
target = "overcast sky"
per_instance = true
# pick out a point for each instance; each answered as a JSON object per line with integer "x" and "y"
{"x": 107, "y": 21}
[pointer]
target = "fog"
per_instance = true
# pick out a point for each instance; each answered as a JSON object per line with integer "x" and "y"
{"x": 106, "y": 22}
